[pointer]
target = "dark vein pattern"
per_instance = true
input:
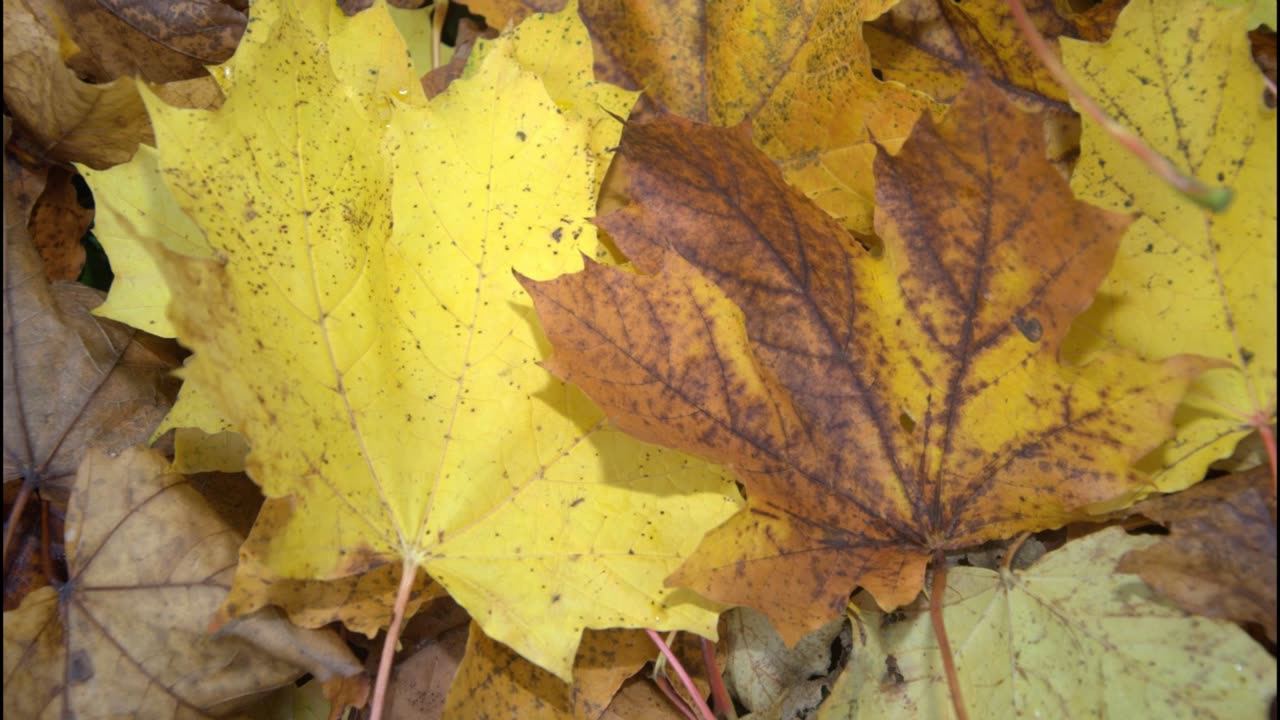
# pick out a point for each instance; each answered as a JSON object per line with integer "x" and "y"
{"x": 876, "y": 408}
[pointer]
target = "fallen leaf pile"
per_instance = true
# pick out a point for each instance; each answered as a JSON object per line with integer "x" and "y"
{"x": 607, "y": 324}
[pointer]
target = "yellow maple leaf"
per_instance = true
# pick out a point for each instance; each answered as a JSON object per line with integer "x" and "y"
{"x": 363, "y": 330}
{"x": 1185, "y": 279}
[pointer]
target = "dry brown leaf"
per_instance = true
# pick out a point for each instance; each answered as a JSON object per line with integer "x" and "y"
{"x": 161, "y": 40}
{"x": 640, "y": 699}
{"x": 64, "y": 118}
{"x": 126, "y": 635}
{"x": 57, "y": 223}
{"x": 493, "y": 681}
{"x": 421, "y": 681}
{"x": 70, "y": 379}
{"x": 1220, "y": 557}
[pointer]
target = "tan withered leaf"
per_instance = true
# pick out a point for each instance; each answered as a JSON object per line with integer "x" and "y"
{"x": 161, "y": 40}
{"x": 57, "y": 223}
{"x": 126, "y": 635}
{"x": 63, "y": 117}
{"x": 1220, "y": 557}
{"x": 70, "y": 379}
{"x": 495, "y": 682}
{"x": 878, "y": 409}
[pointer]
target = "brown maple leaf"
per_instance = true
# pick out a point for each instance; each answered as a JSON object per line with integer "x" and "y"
{"x": 880, "y": 408}
{"x": 1220, "y": 557}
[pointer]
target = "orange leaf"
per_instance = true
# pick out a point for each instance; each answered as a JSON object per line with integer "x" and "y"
{"x": 878, "y": 408}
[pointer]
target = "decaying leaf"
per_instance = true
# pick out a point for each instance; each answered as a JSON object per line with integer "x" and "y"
{"x": 1185, "y": 279}
{"x": 420, "y": 684}
{"x": 57, "y": 223}
{"x": 878, "y": 409}
{"x": 1069, "y": 637}
{"x": 493, "y": 681}
{"x": 1220, "y": 558}
{"x": 640, "y": 699}
{"x": 126, "y": 635}
{"x": 70, "y": 380}
{"x": 64, "y": 117}
{"x": 161, "y": 40}
{"x": 363, "y": 331}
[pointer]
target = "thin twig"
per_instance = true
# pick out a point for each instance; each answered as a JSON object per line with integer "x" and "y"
{"x": 936, "y": 591}
{"x": 724, "y": 706}
{"x": 407, "y": 575}
{"x": 687, "y": 681}
{"x": 1214, "y": 198}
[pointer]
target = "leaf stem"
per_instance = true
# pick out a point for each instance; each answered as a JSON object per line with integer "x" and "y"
{"x": 936, "y": 591}
{"x": 1214, "y": 198}
{"x": 724, "y": 706}
{"x": 408, "y": 574}
{"x": 687, "y": 681}
{"x": 1013, "y": 549}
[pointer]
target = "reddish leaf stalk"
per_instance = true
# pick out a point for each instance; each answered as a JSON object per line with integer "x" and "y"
{"x": 687, "y": 681}
{"x": 1213, "y": 198}
{"x": 723, "y": 705}
{"x": 407, "y": 575}
{"x": 674, "y": 697}
{"x": 1007, "y": 562}
{"x": 936, "y": 591}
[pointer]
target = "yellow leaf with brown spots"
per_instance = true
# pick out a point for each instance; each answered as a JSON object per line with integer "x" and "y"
{"x": 1181, "y": 75}
{"x": 362, "y": 330}
{"x": 878, "y": 408}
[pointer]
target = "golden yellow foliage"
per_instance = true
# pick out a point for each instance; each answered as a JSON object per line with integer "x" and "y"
{"x": 362, "y": 329}
{"x": 1185, "y": 279}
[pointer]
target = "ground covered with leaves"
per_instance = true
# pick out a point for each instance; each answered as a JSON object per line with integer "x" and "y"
{"x": 350, "y": 373}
